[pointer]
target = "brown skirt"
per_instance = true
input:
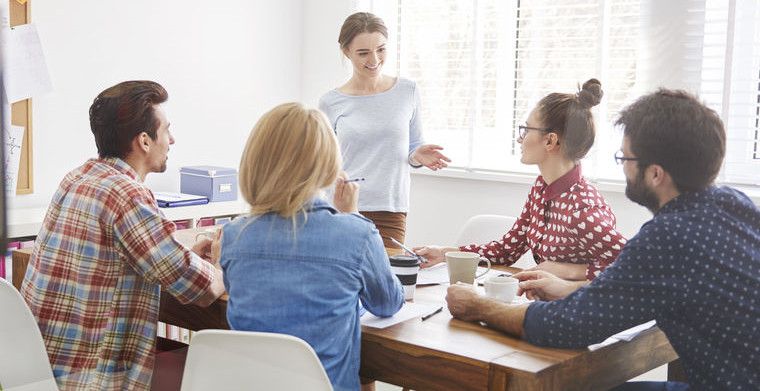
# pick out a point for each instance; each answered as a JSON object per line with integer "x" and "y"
{"x": 390, "y": 225}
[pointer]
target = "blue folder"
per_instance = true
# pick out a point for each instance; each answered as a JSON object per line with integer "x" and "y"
{"x": 170, "y": 200}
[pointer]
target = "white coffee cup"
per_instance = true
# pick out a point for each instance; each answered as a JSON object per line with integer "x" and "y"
{"x": 501, "y": 288}
{"x": 209, "y": 233}
{"x": 462, "y": 266}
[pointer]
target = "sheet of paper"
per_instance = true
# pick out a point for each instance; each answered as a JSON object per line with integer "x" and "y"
{"x": 438, "y": 274}
{"x": 12, "y": 139}
{"x": 625, "y": 335}
{"x": 408, "y": 311}
{"x": 24, "y": 71}
{"x": 5, "y": 17}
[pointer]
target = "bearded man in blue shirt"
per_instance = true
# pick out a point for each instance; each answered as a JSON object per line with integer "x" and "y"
{"x": 694, "y": 267}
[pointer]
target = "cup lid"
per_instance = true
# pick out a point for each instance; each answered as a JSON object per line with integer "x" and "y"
{"x": 404, "y": 260}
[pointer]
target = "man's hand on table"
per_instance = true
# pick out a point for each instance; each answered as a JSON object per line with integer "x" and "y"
{"x": 466, "y": 304}
{"x": 209, "y": 250}
{"x": 202, "y": 248}
{"x": 463, "y": 301}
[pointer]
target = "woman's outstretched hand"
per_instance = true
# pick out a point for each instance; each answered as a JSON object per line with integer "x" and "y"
{"x": 429, "y": 155}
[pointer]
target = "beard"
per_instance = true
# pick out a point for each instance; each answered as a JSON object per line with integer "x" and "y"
{"x": 162, "y": 168}
{"x": 638, "y": 192}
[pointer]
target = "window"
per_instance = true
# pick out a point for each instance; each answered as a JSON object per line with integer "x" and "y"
{"x": 481, "y": 66}
{"x": 731, "y": 82}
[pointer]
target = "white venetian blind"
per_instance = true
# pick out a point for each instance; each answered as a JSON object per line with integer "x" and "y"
{"x": 731, "y": 82}
{"x": 483, "y": 64}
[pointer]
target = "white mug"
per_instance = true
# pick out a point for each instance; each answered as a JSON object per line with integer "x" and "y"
{"x": 462, "y": 266}
{"x": 209, "y": 233}
{"x": 501, "y": 288}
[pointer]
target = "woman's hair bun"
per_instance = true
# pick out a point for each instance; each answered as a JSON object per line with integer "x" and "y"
{"x": 591, "y": 93}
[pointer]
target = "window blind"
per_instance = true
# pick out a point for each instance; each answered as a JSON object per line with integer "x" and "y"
{"x": 482, "y": 65}
{"x": 731, "y": 82}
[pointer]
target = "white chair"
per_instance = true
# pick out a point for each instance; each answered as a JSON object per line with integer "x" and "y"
{"x": 246, "y": 360}
{"x": 484, "y": 228}
{"x": 24, "y": 364}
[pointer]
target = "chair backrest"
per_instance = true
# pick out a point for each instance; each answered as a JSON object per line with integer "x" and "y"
{"x": 246, "y": 360}
{"x": 24, "y": 361}
{"x": 481, "y": 229}
{"x": 484, "y": 228}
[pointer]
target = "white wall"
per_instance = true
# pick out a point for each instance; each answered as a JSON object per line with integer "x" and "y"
{"x": 224, "y": 64}
{"x": 323, "y": 66}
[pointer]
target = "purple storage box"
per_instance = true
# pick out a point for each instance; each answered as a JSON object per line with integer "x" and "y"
{"x": 216, "y": 183}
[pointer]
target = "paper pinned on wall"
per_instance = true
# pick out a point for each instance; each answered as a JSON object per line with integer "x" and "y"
{"x": 13, "y": 136}
{"x": 25, "y": 71}
{"x": 5, "y": 17}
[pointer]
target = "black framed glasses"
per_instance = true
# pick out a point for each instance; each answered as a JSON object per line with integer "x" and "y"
{"x": 522, "y": 130}
{"x": 620, "y": 158}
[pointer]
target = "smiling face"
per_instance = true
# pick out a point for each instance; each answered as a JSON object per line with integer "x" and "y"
{"x": 159, "y": 151}
{"x": 532, "y": 146}
{"x": 367, "y": 53}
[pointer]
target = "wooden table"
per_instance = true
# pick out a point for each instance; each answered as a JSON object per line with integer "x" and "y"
{"x": 443, "y": 353}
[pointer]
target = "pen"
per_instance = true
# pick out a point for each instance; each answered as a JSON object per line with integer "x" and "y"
{"x": 420, "y": 257}
{"x": 353, "y": 180}
{"x": 427, "y": 316}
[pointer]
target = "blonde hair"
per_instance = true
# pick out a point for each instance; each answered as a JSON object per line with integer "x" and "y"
{"x": 291, "y": 154}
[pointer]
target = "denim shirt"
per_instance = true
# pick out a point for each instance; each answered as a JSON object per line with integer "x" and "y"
{"x": 309, "y": 284}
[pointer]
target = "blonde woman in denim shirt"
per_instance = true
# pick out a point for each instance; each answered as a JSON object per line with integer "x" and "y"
{"x": 297, "y": 264}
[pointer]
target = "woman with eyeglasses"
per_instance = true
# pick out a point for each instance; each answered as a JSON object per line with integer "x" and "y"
{"x": 565, "y": 223}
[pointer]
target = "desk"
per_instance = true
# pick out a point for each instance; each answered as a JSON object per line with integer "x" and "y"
{"x": 443, "y": 353}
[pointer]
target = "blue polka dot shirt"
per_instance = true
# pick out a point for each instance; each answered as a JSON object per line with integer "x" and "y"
{"x": 695, "y": 268}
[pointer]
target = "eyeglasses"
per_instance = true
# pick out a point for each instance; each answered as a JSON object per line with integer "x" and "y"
{"x": 522, "y": 131}
{"x": 620, "y": 159}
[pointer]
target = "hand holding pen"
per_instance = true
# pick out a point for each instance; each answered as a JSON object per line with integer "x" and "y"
{"x": 420, "y": 257}
{"x": 346, "y": 195}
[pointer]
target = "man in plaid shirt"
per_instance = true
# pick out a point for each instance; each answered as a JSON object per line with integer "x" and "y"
{"x": 104, "y": 251}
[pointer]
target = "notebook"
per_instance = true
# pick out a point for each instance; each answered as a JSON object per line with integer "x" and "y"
{"x": 169, "y": 200}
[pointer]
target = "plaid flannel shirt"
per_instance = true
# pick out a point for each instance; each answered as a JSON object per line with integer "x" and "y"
{"x": 94, "y": 278}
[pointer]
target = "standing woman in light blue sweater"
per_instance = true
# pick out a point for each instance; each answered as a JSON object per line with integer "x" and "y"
{"x": 376, "y": 118}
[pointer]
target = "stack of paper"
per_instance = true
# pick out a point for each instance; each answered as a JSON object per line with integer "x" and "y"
{"x": 625, "y": 335}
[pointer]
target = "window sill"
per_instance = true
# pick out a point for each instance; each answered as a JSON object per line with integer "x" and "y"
{"x": 753, "y": 192}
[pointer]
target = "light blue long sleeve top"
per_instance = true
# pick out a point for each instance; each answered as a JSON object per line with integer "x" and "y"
{"x": 376, "y": 134}
{"x": 309, "y": 284}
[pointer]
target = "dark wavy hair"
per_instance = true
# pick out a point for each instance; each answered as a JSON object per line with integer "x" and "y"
{"x": 121, "y": 112}
{"x": 673, "y": 129}
{"x": 569, "y": 116}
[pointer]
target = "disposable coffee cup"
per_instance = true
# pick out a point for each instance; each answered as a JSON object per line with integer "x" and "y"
{"x": 501, "y": 288}
{"x": 405, "y": 267}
